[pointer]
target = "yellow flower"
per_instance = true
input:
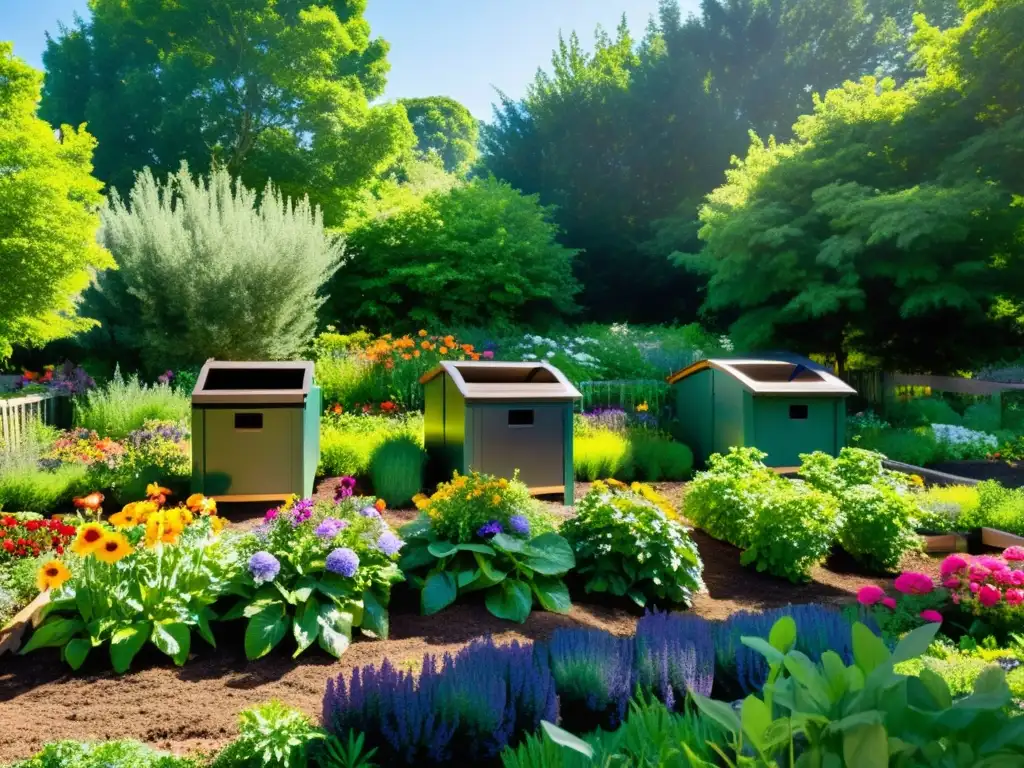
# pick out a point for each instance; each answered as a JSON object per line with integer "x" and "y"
{"x": 217, "y": 524}
{"x": 503, "y": 483}
{"x": 208, "y": 507}
{"x": 163, "y": 527}
{"x": 643, "y": 407}
{"x": 496, "y": 499}
{"x": 421, "y": 501}
{"x": 52, "y": 575}
{"x": 155, "y": 490}
{"x": 422, "y": 333}
{"x": 113, "y": 547}
{"x": 127, "y": 517}
{"x": 193, "y": 501}
{"x": 600, "y": 485}
{"x": 615, "y": 483}
{"x": 89, "y": 537}
{"x": 917, "y": 480}
{"x": 143, "y": 509}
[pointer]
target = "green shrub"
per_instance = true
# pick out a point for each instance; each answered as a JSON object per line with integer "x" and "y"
{"x": 124, "y": 405}
{"x": 348, "y": 441}
{"x": 911, "y": 446}
{"x": 40, "y": 490}
{"x": 1008, "y": 515}
{"x": 110, "y": 754}
{"x": 921, "y": 412}
{"x": 985, "y": 416}
{"x": 793, "y": 530}
{"x": 629, "y": 541}
{"x": 878, "y": 525}
{"x": 18, "y": 584}
{"x": 945, "y": 509}
{"x": 602, "y": 453}
{"x": 659, "y": 458}
{"x": 271, "y": 735}
{"x": 396, "y": 470}
{"x": 725, "y": 499}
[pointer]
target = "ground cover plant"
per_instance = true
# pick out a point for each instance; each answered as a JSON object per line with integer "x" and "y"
{"x": 627, "y": 445}
{"x": 348, "y": 441}
{"x": 482, "y": 533}
{"x": 316, "y": 571}
{"x": 628, "y": 540}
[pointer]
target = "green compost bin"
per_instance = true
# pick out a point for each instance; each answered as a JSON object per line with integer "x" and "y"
{"x": 778, "y": 406}
{"x": 255, "y": 430}
{"x": 499, "y": 418}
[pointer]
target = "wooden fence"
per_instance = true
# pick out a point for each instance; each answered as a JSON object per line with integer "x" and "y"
{"x": 877, "y": 386}
{"x": 17, "y": 414}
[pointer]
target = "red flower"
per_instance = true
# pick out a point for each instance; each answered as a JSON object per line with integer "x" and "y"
{"x": 2, "y": 534}
{"x": 9, "y": 521}
{"x": 9, "y": 545}
{"x": 387, "y": 406}
{"x": 33, "y": 525}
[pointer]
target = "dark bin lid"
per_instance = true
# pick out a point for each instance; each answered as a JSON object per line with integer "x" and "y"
{"x": 772, "y": 377}
{"x": 485, "y": 381}
{"x": 223, "y": 382}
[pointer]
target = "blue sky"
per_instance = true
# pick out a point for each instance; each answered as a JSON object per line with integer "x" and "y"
{"x": 457, "y": 48}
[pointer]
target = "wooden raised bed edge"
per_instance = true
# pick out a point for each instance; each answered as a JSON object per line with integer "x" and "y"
{"x": 991, "y": 537}
{"x": 931, "y": 475}
{"x": 12, "y": 634}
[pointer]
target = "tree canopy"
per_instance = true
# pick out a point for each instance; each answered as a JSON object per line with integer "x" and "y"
{"x": 892, "y": 223}
{"x": 445, "y": 128}
{"x": 49, "y": 215}
{"x": 262, "y": 88}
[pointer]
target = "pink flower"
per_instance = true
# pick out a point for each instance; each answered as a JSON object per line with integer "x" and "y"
{"x": 979, "y": 573}
{"x": 975, "y": 587}
{"x": 951, "y": 583}
{"x": 889, "y": 603}
{"x": 271, "y": 514}
{"x": 989, "y": 595}
{"x": 1014, "y": 553}
{"x": 1017, "y": 577}
{"x": 1014, "y": 596}
{"x": 956, "y": 598}
{"x": 952, "y": 564}
{"x": 932, "y": 616}
{"x": 488, "y": 354}
{"x": 870, "y": 594}
{"x": 913, "y": 583}
{"x": 1003, "y": 577}
{"x": 992, "y": 563}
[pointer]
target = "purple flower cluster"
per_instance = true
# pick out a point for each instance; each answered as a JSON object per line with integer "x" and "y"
{"x": 346, "y": 487}
{"x": 491, "y": 528}
{"x": 519, "y": 525}
{"x": 615, "y": 419}
{"x": 343, "y": 561}
{"x": 370, "y": 511}
{"x": 264, "y": 567}
{"x": 271, "y": 515}
{"x": 301, "y": 511}
{"x": 158, "y": 430}
{"x": 330, "y": 528}
{"x": 461, "y": 712}
{"x": 593, "y": 673}
{"x": 389, "y": 543}
{"x": 675, "y": 653}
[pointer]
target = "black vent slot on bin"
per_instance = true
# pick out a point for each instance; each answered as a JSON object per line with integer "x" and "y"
{"x": 262, "y": 379}
{"x": 520, "y": 417}
{"x": 798, "y": 412}
{"x": 248, "y": 421}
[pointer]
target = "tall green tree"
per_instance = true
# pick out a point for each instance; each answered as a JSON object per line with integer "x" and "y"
{"x": 479, "y": 252}
{"x": 49, "y": 215}
{"x": 445, "y": 128}
{"x": 262, "y": 88}
{"x": 892, "y": 224}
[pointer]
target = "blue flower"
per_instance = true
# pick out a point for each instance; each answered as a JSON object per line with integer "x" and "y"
{"x": 519, "y": 525}
{"x": 389, "y": 543}
{"x": 343, "y": 561}
{"x": 370, "y": 511}
{"x": 489, "y": 529}
{"x": 264, "y": 567}
{"x": 330, "y": 528}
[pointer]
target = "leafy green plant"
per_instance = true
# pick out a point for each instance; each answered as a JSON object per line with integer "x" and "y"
{"x": 921, "y": 412}
{"x": 660, "y": 458}
{"x": 28, "y": 487}
{"x": 108, "y": 754}
{"x": 629, "y": 541}
{"x": 944, "y": 509}
{"x": 480, "y": 533}
{"x": 911, "y": 446}
{"x": 351, "y": 753}
{"x": 271, "y": 735}
{"x": 348, "y": 441}
{"x": 124, "y": 405}
{"x": 396, "y": 470}
{"x": 878, "y": 525}
{"x": 793, "y": 530}
{"x": 319, "y": 570}
{"x": 602, "y": 453}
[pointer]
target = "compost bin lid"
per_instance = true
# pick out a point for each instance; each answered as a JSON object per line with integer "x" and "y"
{"x": 487, "y": 381}
{"x": 772, "y": 377}
{"x": 222, "y": 382}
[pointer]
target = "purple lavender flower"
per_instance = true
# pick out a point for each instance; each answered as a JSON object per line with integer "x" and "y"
{"x": 264, "y": 567}
{"x": 302, "y": 510}
{"x": 489, "y": 529}
{"x": 389, "y": 543}
{"x": 330, "y": 528}
{"x": 370, "y": 511}
{"x": 519, "y": 525}
{"x": 343, "y": 561}
{"x": 346, "y": 487}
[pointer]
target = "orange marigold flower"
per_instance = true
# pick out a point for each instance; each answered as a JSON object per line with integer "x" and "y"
{"x": 449, "y": 340}
{"x": 91, "y": 502}
{"x": 381, "y": 505}
{"x": 444, "y": 350}
{"x": 337, "y": 408}
{"x": 422, "y": 333}
{"x": 474, "y": 357}
{"x": 467, "y": 348}
{"x": 407, "y": 356}
{"x": 426, "y": 345}
{"x": 416, "y": 353}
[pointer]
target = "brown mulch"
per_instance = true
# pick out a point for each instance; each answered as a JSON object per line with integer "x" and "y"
{"x": 194, "y": 708}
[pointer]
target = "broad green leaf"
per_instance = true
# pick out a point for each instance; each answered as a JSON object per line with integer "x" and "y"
{"x": 335, "y": 630}
{"x": 756, "y": 719}
{"x": 1011, "y": 733}
{"x": 464, "y": 578}
{"x": 265, "y": 630}
{"x": 203, "y": 625}
{"x": 565, "y": 739}
{"x": 441, "y": 549}
{"x": 338, "y": 587}
{"x": 375, "y": 616}
{"x": 992, "y": 680}
{"x": 915, "y": 643}
{"x": 84, "y": 605}
{"x": 507, "y": 543}
{"x": 257, "y": 606}
{"x": 549, "y": 554}
{"x": 487, "y": 568}
{"x": 638, "y": 597}
{"x": 868, "y": 649}
{"x": 237, "y": 611}
{"x": 835, "y": 674}
{"x": 929, "y": 691}
{"x": 286, "y": 594}
{"x": 483, "y": 549}
{"x": 552, "y": 594}
{"x": 783, "y": 634}
{"x": 866, "y": 746}
{"x": 421, "y": 527}
{"x": 719, "y": 711}
{"x": 766, "y": 649}
{"x": 870, "y": 717}
{"x": 305, "y": 625}
{"x": 415, "y": 556}
{"x": 76, "y": 651}
{"x": 125, "y": 643}
{"x": 805, "y": 672}
{"x": 303, "y": 589}
{"x": 174, "y": 639}
{"x": 53, "y": 634}
{"x": 510, "y": 600}
{"x": 438, "y": 593}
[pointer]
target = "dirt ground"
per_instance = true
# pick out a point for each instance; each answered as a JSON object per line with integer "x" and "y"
{"x": 194, "y": 708}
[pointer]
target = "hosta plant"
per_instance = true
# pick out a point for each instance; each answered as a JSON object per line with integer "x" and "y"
{"x": 317, "y": 571}
{"x": 481, "y": 533}
{"x": 149, "y": 574}
{"x": 628, "y": 540}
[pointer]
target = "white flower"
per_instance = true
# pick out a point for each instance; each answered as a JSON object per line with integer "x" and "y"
{"x": 529, "y": 356}
{"x": 550, "y": 354}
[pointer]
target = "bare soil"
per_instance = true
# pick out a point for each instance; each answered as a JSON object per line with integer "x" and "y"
{"x": 194, "y": 709}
